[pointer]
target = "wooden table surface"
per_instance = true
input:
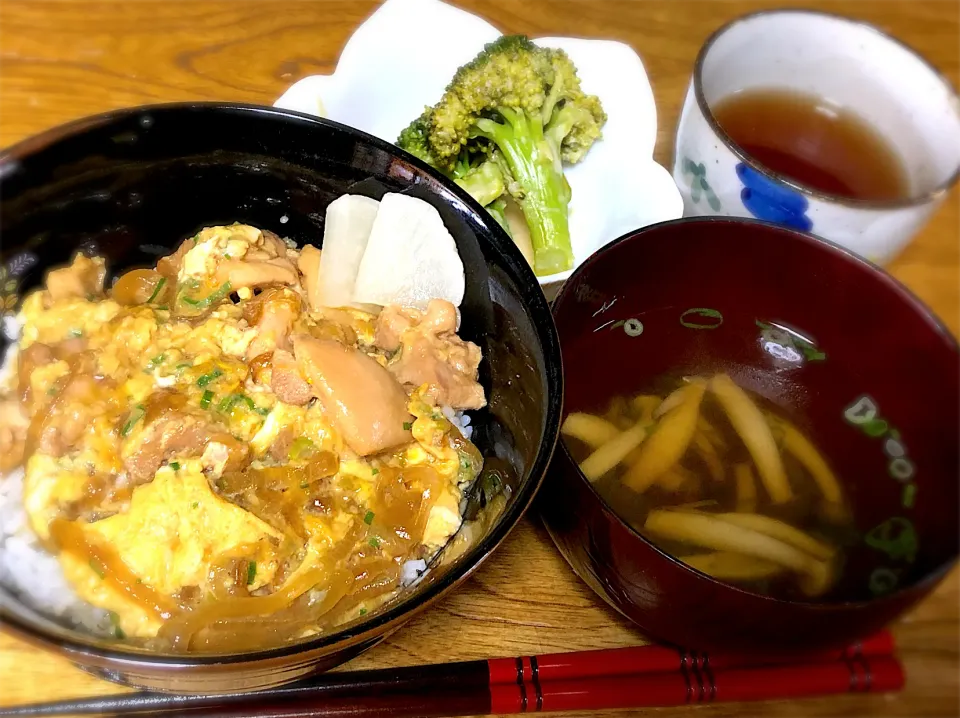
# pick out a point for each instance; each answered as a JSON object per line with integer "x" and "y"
{"x": 62, "y": 60}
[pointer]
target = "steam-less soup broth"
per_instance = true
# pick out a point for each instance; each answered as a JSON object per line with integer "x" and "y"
{"x": 722, "y": 480}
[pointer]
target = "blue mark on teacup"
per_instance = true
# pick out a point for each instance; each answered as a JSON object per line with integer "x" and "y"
{"x": 769, "y": 200}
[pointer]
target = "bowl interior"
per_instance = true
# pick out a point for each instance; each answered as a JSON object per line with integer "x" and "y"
{"x": 130, "y": 185}
{"x": 850, "y": 355}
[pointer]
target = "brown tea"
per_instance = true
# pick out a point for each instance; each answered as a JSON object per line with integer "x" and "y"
{"x": 814, "y": 143}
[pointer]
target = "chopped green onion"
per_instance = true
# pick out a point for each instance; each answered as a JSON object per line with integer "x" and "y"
{"x": 183, "y": 365}
{"x": 368, "y": 519}
{"x": 175, "y": 465}
{"x": 251, "y": 572}
{"x": 375, "y": 471}
{"x": 301, "y": 448}
{"x": 135, "y": 416}
{"x": 407, "y": 426}
{"x": 304, "y": 485}
{"x": 363, "y": 611}
{"x": 158, "y": 359}
{"x": 196, "y": 504}
{"x": 374, "y": 541}
{"x": 97, "y": 568}
{"x": 211, "y": 298}
{"x": 162, "y": 307}
{"x": 206, "y": 399}
{"x": 207, "y": 378}
{"x": 467, "y": 468}
{"x": 232, "y": 400}
{"x": 156, "y": 289}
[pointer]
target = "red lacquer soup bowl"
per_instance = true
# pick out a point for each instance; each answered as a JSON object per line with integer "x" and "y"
{"x": 836, "y": 342}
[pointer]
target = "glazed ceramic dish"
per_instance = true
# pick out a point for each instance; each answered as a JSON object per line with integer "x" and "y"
{"x": 615, "y": 189}
{"x": 130, "y": 185}
{"x": 872, "y": 373}
{"x": 845, "y": 62}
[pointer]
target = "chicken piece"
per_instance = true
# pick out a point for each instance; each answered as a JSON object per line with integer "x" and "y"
{"x": 58, "y": 429}
{"x": 272, "y": 244}
{"x": 431, "y": 353}
{"x": 309, "y": 266}
{"x": 366, "y": 403}
{"x": 39, "y": 355}
{"x": 169, "y": 429}
{"x": 242, "y": 274}
{"x": 279, "y": 450}
{"x": 83, "y": 278}
{"x": 169, "y": 266}
{"x": 286, "y": 381}
{"x": 392, "y": 322}
{"x": 273, "y": 313}
{"x": 13, "y": 434}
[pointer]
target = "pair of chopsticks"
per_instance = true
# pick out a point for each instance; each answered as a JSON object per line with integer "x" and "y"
{"x": 639, "y": 677}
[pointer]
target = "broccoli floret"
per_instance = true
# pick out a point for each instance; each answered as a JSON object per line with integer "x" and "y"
{"x": 413, "y": 139}
{"x": 523, "y": 105}
{"x": 476, "y": 170}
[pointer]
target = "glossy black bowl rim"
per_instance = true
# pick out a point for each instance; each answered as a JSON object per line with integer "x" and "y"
{"x": 924, "y": 313}
{"x": 530, "y": 294}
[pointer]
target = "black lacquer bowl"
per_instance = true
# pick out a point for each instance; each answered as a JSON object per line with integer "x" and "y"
{"x": 130, "y": 185}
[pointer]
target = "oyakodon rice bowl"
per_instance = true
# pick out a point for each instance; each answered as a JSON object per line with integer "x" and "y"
{"x": 244, "y": 446}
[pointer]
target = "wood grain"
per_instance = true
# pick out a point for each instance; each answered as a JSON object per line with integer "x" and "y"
{"x": 63, "y": 60}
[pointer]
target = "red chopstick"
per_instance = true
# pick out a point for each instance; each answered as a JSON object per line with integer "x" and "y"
{"x": 588, "y": 680}
{"x": 660, "y": 659}
{"x": 877, "y": 674}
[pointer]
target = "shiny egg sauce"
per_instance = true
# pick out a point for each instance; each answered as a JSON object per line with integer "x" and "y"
{"x": 222, "y": 463}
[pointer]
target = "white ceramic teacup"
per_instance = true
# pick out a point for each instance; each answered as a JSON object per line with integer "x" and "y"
{"x": 851, "y": 64}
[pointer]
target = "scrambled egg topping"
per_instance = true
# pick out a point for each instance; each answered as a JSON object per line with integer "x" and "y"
{"x": 203, "y": 447}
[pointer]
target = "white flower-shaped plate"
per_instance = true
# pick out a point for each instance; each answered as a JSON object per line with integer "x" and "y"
{"x": 403, "y": 56}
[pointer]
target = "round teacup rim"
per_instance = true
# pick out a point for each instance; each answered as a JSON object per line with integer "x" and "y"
{"x": 913, "y": 201}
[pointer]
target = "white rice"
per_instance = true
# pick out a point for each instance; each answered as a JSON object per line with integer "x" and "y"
{"x": 31, "y": 573}
{"x": 411, "y": 572}
{"x": 459, "y": 420}
{"x": 11, "y": 327}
